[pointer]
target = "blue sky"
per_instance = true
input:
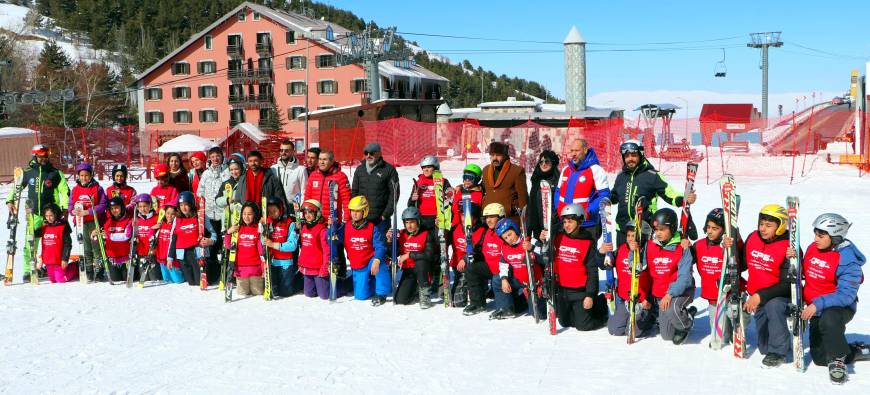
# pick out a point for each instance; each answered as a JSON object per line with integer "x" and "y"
{"x": 827, "y": 26}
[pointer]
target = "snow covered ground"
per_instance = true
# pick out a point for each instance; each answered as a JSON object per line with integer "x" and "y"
{"x": 176, "y": 339}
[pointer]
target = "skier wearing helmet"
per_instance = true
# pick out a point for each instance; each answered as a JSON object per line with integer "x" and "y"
{"x": 423, "y": 192}
{"x": 313, "y": 251}
{"x": 639, "y": 178}
{"x": 471, "y": 178}
{"x": 484, "y": 269}
{"x": 767, "y": 284}
{"x": 417, "y": 257}
{"x": 120, "y": 188}
{"x": 45, "y": 185}
{"x": 282, "y": 242}
{"x": 366, "y": 254}
{"x": 576, "y": 260}
{"x": 88, "y": 197}
{"x": 832, "y": 274}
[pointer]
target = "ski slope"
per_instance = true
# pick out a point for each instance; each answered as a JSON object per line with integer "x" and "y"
{"x": 74, "y": 338}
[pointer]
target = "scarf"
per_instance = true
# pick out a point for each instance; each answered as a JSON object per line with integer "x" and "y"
{"x": 253, "y": 186}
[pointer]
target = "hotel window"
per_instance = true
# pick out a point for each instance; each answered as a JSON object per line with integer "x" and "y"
{"x": 182, "y": 116}
{"x": 324, "y": 61}
{"x": 290, "y": 36}
{"x": 206, "y": 67}
{"x": 296, "y": 88}
{"x": 295, "y": 112}
{"x": 327, "y": 87}
{"x": 153, "y": 93}
{"x": 208, "y": 42}
{"x": 208, "y": 116}
{"x": 296, "y": 62}
{"x": 358, "y": 85}
{"x": 180, "y": 68}
{"x": 208, "y": 91}
{"x": 154, "y": 117}
{"x": 181, "y": 92}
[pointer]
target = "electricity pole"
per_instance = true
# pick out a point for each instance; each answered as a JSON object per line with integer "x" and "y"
{"x": 764, "y": 41}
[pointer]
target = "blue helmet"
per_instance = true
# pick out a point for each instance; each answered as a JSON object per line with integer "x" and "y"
{"x": 504, "y": 224}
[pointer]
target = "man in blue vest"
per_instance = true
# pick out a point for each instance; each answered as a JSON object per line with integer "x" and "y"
{"x": 584, "y": 182}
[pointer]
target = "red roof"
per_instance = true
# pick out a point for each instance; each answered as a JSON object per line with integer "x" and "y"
{"x": 738, "y": 113}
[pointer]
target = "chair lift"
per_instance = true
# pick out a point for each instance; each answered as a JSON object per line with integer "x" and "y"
{"x": 720, "y": 70}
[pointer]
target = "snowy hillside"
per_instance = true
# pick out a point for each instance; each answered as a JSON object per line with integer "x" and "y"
{"x": 176, "y": 339}
{"x": 13, "y": 21}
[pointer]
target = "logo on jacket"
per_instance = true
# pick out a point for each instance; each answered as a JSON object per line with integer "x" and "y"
{"x": 357, "y": 240}
{"x": 247, "y": 237}
{"x": 662, "y": 261}
{"x": 709, "y": 259}
{"x": 760, "y": 255}
{"x": 514, "y": 257}
{"x": 820, "y": 263}
{"x": 187, "y": 227}
{"x": 315, "y": 184}
{"x": 582, "y": 179}
{"x": 48, "y": 183}
{"x": 568, "y": 249}
{"x": 411, "y": 246}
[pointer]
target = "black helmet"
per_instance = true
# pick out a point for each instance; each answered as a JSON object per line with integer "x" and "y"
{"x": 631, "y": 146}
{"x": 119, "y": 167}
{"x": 717, "y": 216}
{"x": 667, "y": 217}
{"x": 186, "y": 197}
{"x": 411, "y": 213}
{"x": 273, "y": 201}
{"x": 118, "y": 201}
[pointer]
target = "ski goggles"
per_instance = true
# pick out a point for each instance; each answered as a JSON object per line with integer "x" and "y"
{"x": 630, "y": 146}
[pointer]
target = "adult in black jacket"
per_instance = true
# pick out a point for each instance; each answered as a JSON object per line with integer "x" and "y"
{"x": 639, "y": 178}
{"x": 372, "y": 179}
{"x": 547, "y": 169}
{"x": 265, "y": 182}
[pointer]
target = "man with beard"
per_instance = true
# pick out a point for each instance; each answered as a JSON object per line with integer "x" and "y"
{"x": 504, "y": 182}
{"x": 45, "y": 185}
{"x": 291, "y": 174}
{"x": 257, "y": 182}
{"x": 584, "y": 183}
{"x": 372, "y": 179}
{"x": 639, "y": 178}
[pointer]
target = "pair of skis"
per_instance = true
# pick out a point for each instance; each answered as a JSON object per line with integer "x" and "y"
{"x": 12, "y": 225}
{"x": 729, "y": 301}
{"x": 394, "y": 258}
{"x": 265, "y": 235}
{"x": 333, "y": 241}
{"x": 794, "y": 277}
{"x": 230, "y": 267}
{"x": 442, "y": 222}
{"x": 636, "y": 268}
{"x": 152, "y": 245}
{"x": 532, "y": 287}
{"x": 549, "y": 269}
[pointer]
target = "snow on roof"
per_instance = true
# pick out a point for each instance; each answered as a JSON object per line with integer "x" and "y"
{"x": 249, "y": 130}
{"x": 388, "y": 68}
{"x": 10, "y": 132}
{"x": 660, "y": 106}
{"x": 509, "y": 103}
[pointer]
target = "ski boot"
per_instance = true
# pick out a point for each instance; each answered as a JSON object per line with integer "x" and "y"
{"x": 473, "y": 309}
{"x": 837, "y": 371}
{"x": 378, "y": 300}
{"x": 501, "y": 314}
{"x": 772, "y": 360}
{"x": 425, "y": 298}
{"x": 860, "y": 352}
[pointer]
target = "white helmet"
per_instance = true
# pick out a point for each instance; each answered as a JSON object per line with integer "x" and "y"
{"x": 574, "y": 210}
{"x": 834, "y": 224}
{"x": 429, "y": 160}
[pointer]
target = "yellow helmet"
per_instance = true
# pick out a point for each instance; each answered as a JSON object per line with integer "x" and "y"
{"x": 494, "y": 209}
{"x": 359, "y": 203}
{"x": 778, "y": 213}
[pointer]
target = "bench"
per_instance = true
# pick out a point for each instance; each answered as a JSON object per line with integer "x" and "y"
{"x": 734, "y": 146}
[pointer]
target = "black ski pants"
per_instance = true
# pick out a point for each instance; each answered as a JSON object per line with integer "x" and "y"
{"x": 477, "y": 277}
{"x": 569, "y": 309}
{"x": 828, "y": 335}
{"x": 189, "y": 267}
{"x": 412, "y": 282}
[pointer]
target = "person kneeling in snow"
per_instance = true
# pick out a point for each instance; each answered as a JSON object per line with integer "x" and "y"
{"x": 514, "y": 274}
{"x": 417, "y": 254}
{"x": 670, "y": 266}
{"x": 832, "y": 275}
{"x": 366, "y": 249}
{"x": 617, "y": 324}
{"x": 576, "y": 262}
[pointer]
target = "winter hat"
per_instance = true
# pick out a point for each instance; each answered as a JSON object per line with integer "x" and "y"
{"x": 372, "y": 147}
{"x": 198, "y": 155}
{"x": 161, "y": 170}
{"x": 497, "y": 148}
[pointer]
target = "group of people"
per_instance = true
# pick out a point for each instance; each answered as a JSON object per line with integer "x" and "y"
{"x": 291, "y": 214}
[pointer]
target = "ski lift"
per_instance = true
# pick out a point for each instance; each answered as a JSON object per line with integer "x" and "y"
{"x": 720, "y": 70}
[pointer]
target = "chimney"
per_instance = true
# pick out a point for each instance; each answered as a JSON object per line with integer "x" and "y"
{"x": 575, "y": 71}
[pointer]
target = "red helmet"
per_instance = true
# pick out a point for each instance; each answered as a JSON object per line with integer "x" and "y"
{"x": 161, "y": 170}
{"x": 39, "y": 150}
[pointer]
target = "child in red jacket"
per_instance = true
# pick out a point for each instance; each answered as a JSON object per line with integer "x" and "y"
{"x": 56, "y": 244}
{"x": 249, "y": 251}
{"x": 617, "y": 324}
{"x": 117, "y": 233}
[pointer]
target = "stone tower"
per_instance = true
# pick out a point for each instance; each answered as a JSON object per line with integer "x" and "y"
{"x": 575, "y": 71}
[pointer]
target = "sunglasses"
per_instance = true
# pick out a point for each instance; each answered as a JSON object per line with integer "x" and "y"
{"x": 545, "y": 161}
{"x": 286, "y": 150}
{"x": 370, "y": 153}
{"x": 469, "y": 177}
{"x": 310, "y": 210}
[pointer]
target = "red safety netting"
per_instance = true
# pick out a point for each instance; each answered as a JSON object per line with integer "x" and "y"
{"x": 102, "y": 147}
